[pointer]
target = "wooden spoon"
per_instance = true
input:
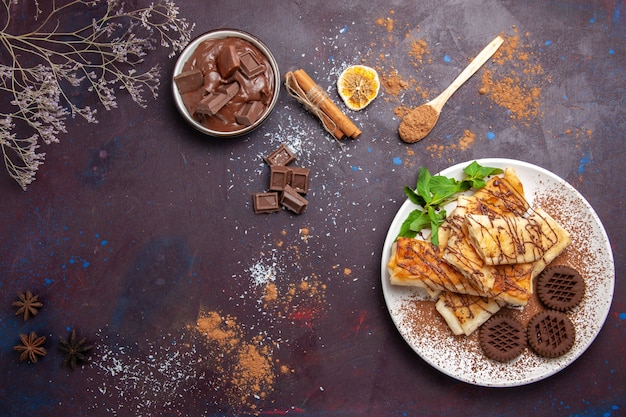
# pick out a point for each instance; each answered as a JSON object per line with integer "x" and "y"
{"x": 420, "y": 121}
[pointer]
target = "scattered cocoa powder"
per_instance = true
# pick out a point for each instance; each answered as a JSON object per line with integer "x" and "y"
{"x": 419, "y": 48}
{"x": 246, "y": 366}
{"x": 514, "y": 81}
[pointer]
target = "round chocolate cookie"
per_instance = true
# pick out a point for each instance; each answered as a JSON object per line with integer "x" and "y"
{"x": 551, "y": 333}
{"x": 502, "y": 338}
{"x": 560, "y": 287}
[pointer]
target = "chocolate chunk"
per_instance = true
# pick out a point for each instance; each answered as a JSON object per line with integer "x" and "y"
{"x": 249, "y": 113}
{"x": 551, "y": 333}
{"x": 266, "y": 202}
{"x": 249, "y": 65}
{"x": 227, "y": 61}
{"x": 300, "y": 179}
{"x": 293, "y": 201}
{"x": 214, "y": 102}
{"x": 560, "y": 287}
{"x": 280, "y": 177}
{"x": 502, "y": 338}
{"x": 188, "y": 81}
{"x": 281, "y": 156}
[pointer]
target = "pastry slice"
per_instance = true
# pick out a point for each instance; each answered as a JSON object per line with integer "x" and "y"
{"x": 513, "y": 240}
{"x": 501, "y": 197}
{"x": 418, "y": 263}
{"x": 466, "y": 313}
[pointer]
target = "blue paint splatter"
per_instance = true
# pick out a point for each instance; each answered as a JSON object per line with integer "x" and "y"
{"x": 397, "y": 161}
{"x": 584, "y": 161}
{"x": 354, "y": 168}
{"x": 611, "y": 51}
{"x": 446, "y": 58}
{"x": 48, "y": 281}
{"x": 369, "y": 150}
{"x": 622, "y": 316}
{"x": 548, "y": 42}
{"x": 343, "y": 29}
{"x": 491, "y": 135}
{"x": 104, "y": 243}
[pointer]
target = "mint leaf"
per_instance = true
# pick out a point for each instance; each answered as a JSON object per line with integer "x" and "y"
{"x": 423, "y": 185}
{"x": 432, "y": 192}
{"x": 420, "y": 222}
{"x": 405, "y": 228}
{"x": 442, "y": 188}
{"x": 475, "y": 170}
{"x": 436, "y": 219}
{"x": 414, "y": 197}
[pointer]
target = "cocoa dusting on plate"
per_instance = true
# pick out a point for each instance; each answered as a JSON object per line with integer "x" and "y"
{"x": 461, "y": 356}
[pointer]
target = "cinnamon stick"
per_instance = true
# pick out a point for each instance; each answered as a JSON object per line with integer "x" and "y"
{"x": 341, "y": 121}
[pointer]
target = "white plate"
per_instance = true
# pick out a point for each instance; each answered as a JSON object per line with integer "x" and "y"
{"x": 461, "y": 357}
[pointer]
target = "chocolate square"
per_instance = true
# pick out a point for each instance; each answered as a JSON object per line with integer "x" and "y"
{"x": 281, "y": 156}
{"x": 214, "y": 102}
{"x": 249, "y": 65}
{"x": 188, "y": 81}
{"x": 300, "y": 179}
{"x": 249, "y": 113}
{"x": 227, "y": 61}
{"x": 280, "y": 177}
{"x": 293, "y": 201}
{"x": 266, "y": 202}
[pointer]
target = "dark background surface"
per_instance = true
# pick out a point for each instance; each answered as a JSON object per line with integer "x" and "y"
{"x": 137, "y": 226}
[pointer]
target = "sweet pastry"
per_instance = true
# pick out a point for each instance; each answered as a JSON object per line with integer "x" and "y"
{"x": 551, "y": 333}
{"x": 502, "y": 240}
{"x": 500, "y": 197}
{"x": 465, "y": 313}
{"x": 560, "y": 287}
{"x": 502, "y": 338}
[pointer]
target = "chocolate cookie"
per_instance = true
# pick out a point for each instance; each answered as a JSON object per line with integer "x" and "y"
{"x": 551, "y": 333}
{"x": 502, "y": 338}
{"x": 560, "y": 287}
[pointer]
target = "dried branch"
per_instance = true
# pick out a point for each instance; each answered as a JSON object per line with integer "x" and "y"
{"x": 41, "y": 70}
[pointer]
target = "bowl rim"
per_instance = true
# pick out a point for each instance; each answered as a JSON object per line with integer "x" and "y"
{"x": 221, "y": 34}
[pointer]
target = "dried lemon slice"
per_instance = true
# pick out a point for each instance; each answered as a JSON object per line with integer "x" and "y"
{"x": 358, "y": 85}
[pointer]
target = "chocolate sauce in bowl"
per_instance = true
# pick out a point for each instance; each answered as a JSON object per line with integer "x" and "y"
{"x": 223, "y": 62}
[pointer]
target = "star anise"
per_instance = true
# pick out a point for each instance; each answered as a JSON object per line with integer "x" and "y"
{"x": 31, "y": 347}
{"x": 75, "y": 350}
{"x": 28, "y": 304}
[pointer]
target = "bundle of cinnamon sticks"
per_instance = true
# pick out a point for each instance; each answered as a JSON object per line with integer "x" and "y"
{"x": 301, "y": 86}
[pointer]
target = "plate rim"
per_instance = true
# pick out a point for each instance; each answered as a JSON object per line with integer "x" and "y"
{"x": 497, "y": 162}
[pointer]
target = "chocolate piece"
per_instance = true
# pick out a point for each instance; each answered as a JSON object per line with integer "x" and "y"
{"x": 502, "y": 338}
{"x": 560, "y": 287}
{"x": 249, "y": 113}
{"x": 227, "y": 61}
{"x": 214, "y": 102}
{"x": 293, "y": 201}
{"x": 249, "y": 65}
{"x": 551, "y": 333}
{"x": 300, "y": 179}
{"x": 280, "y": 177}
{"x": 281, "y": 156}
{"x": 188, "y": 81}
{"x": 266, "y": 202}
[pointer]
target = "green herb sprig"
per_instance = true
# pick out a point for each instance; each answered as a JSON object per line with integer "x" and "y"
{"x": 432, "y": 192}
